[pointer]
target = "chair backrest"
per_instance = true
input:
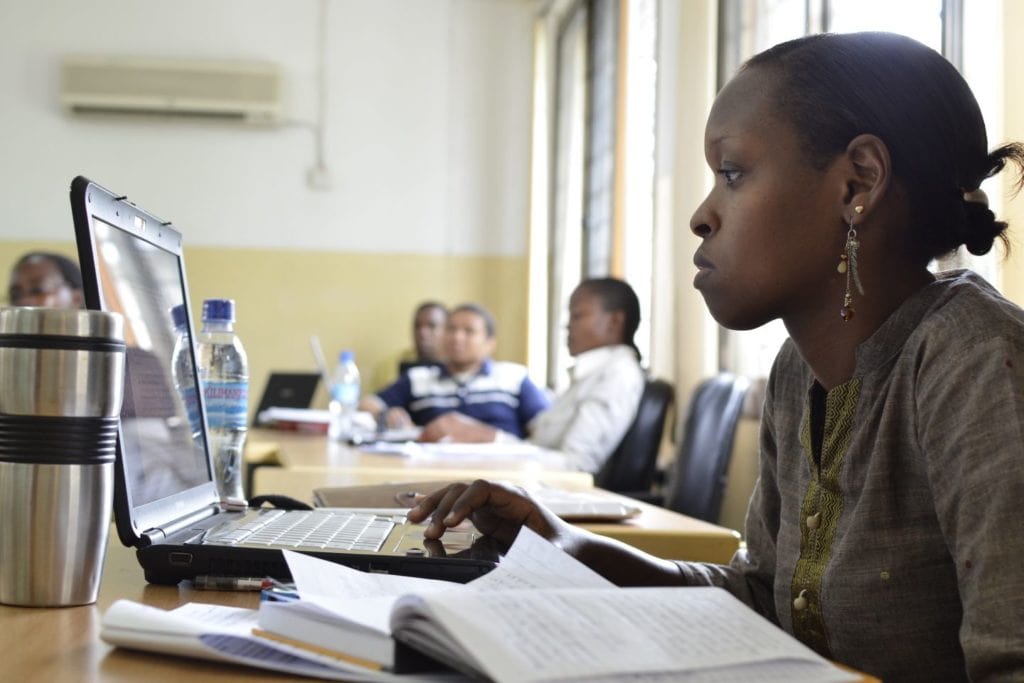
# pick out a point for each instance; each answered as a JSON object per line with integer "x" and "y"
{"x": 697, "y": 483}
{"x": 630, "y": 468}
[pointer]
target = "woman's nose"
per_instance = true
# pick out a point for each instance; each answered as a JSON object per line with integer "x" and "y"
{"x": 700, "y": 222}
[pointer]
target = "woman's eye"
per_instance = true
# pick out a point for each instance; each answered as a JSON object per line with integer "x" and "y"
{"x": 729, "y": 175}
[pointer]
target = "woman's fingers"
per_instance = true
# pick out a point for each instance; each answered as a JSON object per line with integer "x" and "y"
{"x": 430, "y": 503}
{"x": 494, "y": 509}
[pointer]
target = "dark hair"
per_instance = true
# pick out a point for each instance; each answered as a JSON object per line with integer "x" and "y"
{"x": 617, "y": 295}
{"x": 68, "y": 269}
{"x": 489, "y": 324}
{"x": 427, "y": 305}
{"x": 834, "y": 87}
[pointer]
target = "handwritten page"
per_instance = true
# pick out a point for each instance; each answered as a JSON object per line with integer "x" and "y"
{"x": 316, "y": 577}
{"x": 329, "y": 590}
{"x": 533, "y": 562}
{"x": 333, "y": 591}
{"x": 544, "y": 635}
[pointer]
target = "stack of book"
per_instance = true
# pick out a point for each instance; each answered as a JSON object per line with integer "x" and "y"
{"x": 540, "y": 616}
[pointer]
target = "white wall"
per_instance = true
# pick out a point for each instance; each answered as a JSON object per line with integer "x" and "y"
{"x": 427, "y": 135}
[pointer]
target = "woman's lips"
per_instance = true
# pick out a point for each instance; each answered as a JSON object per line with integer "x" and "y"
{"x": 704, "y": 268}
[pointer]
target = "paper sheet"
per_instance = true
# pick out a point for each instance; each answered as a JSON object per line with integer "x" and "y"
{"x": 544, "y": 635}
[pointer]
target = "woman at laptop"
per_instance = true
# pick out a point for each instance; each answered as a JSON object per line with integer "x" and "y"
{"x": 884, "y": 530}
{"x": 587, "y": 422}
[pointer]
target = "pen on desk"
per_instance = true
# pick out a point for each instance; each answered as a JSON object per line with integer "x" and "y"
{"x": 207, "y": 582}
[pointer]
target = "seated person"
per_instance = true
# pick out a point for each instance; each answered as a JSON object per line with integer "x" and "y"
{"x": 497, "y": 393}
{"x": 47, "y": 280}
{"x": 588, "y": 421}
{"x": 427, "y": 334}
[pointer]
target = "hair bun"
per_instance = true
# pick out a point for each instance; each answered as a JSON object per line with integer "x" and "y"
{"x": 980, "y": 228}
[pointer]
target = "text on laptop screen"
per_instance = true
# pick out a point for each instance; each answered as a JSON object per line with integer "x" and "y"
{"x": 160, "y": 419}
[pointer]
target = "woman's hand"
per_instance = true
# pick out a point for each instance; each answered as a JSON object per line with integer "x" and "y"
{"x": 500, "y": 511}
{"x": 496, "y": 510}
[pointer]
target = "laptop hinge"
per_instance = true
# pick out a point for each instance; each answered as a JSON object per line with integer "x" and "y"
{"x": 157, "y": 534}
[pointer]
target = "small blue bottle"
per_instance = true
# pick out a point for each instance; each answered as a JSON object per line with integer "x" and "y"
{"x": 345, "y": 387}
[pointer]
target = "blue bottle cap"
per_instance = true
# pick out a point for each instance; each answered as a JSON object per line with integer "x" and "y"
{"x": 222, "y": 310}
{"x": 346, "y": 357}
{"x": 178, "y": 316}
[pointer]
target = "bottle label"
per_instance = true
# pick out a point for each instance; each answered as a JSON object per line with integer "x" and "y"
{"x": 345, "y": 394}
{"x": 190, "y": 398}
{"x": 227, "y": 404}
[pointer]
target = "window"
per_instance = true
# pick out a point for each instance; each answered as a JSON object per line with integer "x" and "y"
{"x": 592, "y": 193}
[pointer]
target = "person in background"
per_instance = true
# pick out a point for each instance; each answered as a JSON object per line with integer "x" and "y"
{"x": 884, "y": 530}
{"x": 469, "y": 383}
{"x": 428, "y": 338}
{"x": 587, "y": 422}
{"x": 45, "y": 279}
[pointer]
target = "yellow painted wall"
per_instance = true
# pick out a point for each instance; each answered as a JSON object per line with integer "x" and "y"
{"x": 359, "y": 301}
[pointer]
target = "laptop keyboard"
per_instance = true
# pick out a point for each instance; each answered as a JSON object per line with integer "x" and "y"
{"x": 302, "y": 530}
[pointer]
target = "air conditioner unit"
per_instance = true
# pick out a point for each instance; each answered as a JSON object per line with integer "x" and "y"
{"x": 248, "y": 92}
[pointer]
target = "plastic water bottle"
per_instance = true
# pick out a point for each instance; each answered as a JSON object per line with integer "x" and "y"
{"x": 344, "y": 397}
{"x": 184, "y": 377}
{"x": 224, "y": 374}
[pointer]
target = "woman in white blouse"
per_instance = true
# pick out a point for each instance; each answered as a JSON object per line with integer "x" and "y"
{"x": 588, "y": 421}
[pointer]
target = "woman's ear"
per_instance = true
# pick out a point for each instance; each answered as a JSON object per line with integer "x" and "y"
{"x": 617, "y": 325}
{"x": 870, "y": 174}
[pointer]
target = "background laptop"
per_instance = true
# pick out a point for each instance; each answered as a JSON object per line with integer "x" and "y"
{"x": 166, "y": 504}
{"x": 287, "y": 390}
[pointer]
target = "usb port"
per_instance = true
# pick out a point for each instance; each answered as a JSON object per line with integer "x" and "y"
{"x": 180, "y": 559}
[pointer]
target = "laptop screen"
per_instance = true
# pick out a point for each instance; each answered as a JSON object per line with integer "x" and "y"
{"x": 161, "y": 424}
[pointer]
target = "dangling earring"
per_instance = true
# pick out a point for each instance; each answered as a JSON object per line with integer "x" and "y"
{"x": 848, "y": 265}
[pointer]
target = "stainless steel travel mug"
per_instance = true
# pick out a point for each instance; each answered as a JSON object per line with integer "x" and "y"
{"x": 61, "y": 384}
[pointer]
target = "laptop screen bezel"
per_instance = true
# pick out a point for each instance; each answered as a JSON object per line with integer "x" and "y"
{"x": 91, "y": 202}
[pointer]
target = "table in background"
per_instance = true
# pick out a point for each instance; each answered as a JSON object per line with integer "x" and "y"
{"x": 656, "y": 530}
{"x": 348, "y": 466}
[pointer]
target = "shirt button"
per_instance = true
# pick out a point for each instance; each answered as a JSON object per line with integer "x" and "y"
{"x": 813, "y": 521}
{"x": 800, "y": 603}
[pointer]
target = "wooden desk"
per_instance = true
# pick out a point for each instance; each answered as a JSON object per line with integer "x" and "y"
{"x": 62, "y": 645}
{"x": 58, "y": 645}
{"x": 656, "y": 530}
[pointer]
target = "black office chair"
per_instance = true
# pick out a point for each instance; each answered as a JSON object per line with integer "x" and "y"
{"x": 630, "y": 468}
{"x": 697, "y": 483}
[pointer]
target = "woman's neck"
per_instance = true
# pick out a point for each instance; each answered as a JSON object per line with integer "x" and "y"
{"x": 829, "y": 344}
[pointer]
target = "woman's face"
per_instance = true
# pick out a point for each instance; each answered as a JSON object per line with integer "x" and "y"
{"x": 771, "y": 227}
{"x": 590, "y": 325}
{"x": 39, "y": 282}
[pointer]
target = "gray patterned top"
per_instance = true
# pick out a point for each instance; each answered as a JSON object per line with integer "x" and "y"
{"x": 902, "y": 553}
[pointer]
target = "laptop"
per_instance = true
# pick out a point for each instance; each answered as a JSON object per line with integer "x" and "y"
{"x": 165, "y": 502}
{"x": 287, "y": 390}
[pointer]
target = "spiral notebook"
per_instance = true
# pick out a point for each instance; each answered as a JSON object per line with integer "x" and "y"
{"x": 166, "y": 503}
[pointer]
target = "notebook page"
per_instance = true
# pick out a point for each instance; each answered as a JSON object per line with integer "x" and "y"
{"x": 544, "y": 635}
